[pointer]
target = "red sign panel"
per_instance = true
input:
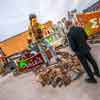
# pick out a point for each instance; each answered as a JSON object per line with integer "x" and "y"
{"x": 32, "y": 63}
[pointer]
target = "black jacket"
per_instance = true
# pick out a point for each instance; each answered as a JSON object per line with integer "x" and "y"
{"x": 78, "y": 40}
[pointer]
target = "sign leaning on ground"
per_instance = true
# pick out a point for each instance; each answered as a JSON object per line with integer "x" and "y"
{"x": 30, "y": 63}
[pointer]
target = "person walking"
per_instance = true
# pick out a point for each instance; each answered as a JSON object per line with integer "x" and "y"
{"x": 78, "y": 41}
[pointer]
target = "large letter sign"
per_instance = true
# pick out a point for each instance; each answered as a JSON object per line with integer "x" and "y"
{"x": 30, "y": 63}
{"x": 94, "y": 23}
{"x": 90, "y": 22}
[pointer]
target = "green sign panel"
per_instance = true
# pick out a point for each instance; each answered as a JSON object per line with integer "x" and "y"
{"x": 51, "y": 39}
{"x": 23, "y": 63}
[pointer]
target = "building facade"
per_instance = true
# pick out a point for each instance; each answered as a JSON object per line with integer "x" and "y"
{"x": 94, "y": 7}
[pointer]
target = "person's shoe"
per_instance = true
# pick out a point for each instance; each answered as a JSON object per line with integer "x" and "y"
{"x": 47, "y": 64}
{"x": 58, "y": 60}
{"x": 97, "y": 74}
{"x": 91, "y": 80}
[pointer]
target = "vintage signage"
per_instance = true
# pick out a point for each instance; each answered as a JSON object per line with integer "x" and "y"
{"x": 30, "y": 63}
{"x": 90, "y": 22}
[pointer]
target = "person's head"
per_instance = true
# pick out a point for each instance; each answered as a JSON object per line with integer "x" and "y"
{"x": 33, "y": 19}
{"x": 68, "y": 24}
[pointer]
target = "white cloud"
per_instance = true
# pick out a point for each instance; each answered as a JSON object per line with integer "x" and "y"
{"x": 76, "y": 1}
{"x": 14, "y": 13}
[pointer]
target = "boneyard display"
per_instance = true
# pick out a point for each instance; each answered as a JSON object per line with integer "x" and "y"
{"x": 60, "y": 74}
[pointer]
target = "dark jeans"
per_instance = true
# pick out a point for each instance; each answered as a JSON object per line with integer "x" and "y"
{"x": 84, "y": 59}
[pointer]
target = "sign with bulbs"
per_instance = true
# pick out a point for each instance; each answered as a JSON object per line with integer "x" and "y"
{"x": 90, "y": 22}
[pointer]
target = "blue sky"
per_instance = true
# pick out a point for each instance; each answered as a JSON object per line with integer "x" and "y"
{"x": 14, "y": 13}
